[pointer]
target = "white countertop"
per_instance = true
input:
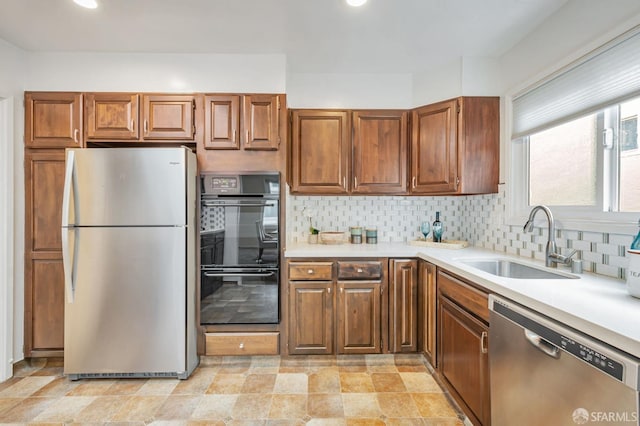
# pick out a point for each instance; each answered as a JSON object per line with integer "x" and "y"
{"x": 596, "y": 305}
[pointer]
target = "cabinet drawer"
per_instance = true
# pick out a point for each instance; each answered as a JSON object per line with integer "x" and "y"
{"x": 310, "y": 270}
{"x": 241, "y": 343}
{"x": 472, "y": 299}
{"x": 359, "y": 270}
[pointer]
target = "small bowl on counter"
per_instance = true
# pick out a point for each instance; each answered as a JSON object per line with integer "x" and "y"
{"x": 333, "y": 237}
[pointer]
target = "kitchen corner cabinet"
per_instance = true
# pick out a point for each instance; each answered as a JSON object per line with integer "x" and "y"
{"x": 455, "y": 146}
{"x": 403, "y": 305}
{"x": 53, "y": 120}
{"x": 44, "y": 276}
{"x": 427, "y": 303}
{"x": 323, "y": 142}
{"x": 337, "y": 309}
{"x": 250, "y": 122}
{"x": 463, "y": 361}
{"x": 116, "y": 117}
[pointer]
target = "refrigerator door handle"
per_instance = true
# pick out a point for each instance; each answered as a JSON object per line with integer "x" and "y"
{"x": 68, "y": 259}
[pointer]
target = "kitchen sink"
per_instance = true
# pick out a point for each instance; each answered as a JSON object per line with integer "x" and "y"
{"x": 511, "y": 269}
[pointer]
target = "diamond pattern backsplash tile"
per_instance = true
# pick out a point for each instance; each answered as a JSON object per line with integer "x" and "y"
{"x": 478, "y": 219}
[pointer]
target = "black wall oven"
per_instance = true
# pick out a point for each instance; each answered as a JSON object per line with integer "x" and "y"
{"x": 239, "y": 248}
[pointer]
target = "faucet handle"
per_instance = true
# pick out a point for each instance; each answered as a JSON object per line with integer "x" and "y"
{"x": 558, "y": 258}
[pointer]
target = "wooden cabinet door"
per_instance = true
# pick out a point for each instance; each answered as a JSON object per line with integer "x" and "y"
{"x": 379, "y": 152}
{"x": 427, "y": 310}
{"x": 53, "y": 120}
{"x": 311, "y": 317}
{"x": 168, "y": 117}
{"x": 320, "y": 156}
{"x": 111, "y": 116}
{"x": 358, "y": 314}
{"x": 260, "y": 122}
{"x": 463, "y": 359}
{"x": 221, "y": 122}
{"x": 403, "y": 306}
{"x": 44, "y": 278}
{"x": 434, "y": 156}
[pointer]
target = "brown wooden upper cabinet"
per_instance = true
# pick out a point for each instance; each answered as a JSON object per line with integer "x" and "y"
{"x": 349, "y": 152}
{"x": 455, "y": 147}
{"x": 254, "y": 127}
{"x": 320, "y": 150}
{"x": 118, "y": 117}
{"x": 53, "y": 119}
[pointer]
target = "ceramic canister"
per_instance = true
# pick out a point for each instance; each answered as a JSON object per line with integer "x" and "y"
{"x": 633, "y": 273}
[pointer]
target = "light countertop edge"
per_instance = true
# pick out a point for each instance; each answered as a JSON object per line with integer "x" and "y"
{"x": 595, "y": 305}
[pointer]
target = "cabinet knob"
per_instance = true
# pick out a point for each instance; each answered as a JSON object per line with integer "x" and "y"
{"x": 310, "y": 272}
{"x": 359, "y": 270}
{"x": 241, "y": 346}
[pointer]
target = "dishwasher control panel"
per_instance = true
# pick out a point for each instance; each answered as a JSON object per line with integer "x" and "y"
{"x": 592, "y": 356}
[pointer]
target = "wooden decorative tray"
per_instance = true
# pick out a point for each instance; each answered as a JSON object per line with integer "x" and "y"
{"x": 445, "y": 244}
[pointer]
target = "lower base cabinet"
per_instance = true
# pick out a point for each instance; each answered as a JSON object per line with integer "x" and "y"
{"x": 311, "y": 317}
{"x": 359, "y": 317}
{"x": 463, "y": 361}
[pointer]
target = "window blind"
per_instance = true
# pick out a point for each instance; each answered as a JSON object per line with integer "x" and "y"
{"x": 606, "y": 76}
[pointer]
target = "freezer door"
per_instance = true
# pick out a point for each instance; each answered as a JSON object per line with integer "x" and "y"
{"x": 127, "y": 186}
{"x": 126, "y": 309}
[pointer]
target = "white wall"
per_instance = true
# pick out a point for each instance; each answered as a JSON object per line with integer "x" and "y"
{"x": 145, "y": 72}
{"x": 438, "y": 84}
{"x": 11, "y": 207}
{"x": 351, "y": 91}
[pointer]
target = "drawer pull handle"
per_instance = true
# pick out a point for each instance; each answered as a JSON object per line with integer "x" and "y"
{"x": 359, "y": 270}
{"x": 310, "y": 272}
{"x": 483, "y": 342}
{"x": 241, "y": 346}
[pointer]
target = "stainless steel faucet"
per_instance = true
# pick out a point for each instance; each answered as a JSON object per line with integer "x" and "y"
{"x": 552, "y": 256}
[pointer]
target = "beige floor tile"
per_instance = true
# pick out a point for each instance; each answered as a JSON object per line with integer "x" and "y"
{"x": 205, "y": 423}
{"x": 286, "y": 406}
{"x": 226, "y": 384}
{"x": 64, "y": 409}
{"x": 197, "y": 383}
{"x": 325, "y": 406}
{"x": 327, "y": 422}
{"x": 98, "y": 387}
{"x": 251, "y": 406}
{"x": 27, "y": 367}
{"x": 169, "y": 423}
{"x": 178, "y": 407}
{"x": 433, "y": 405}
{"x": 250, "y": 422}
{"x": 361, "y": 405}
{"x": 158, "y": 387}
{"x": 447, "y": 421}
{"x": 291, "y": 383}
{"x": 214, "y": 407}
{"x": 356, "y": 383}
{"x": 387, "y": 382}
{"x": 420, "y": 383}
{"x": 381, "y": 363}
{"x": 8, "y": 403}
{"x": 126, "y": 386}
{"x": 364, "y": 422}
{"x": 397, "y": 404}
{"x": 285, "y": 422}
{"x": 25, "y": 387}
{"x": 58, "y": 387}
{"x": 404, "y": 422}
{"x": 139, "y": 408}
{"x": 324, "y": 380}
{"x": 258, "y": 383}
{"x": 9, "y": 382}
{"x": 265, "y": 365}
{"x": 26, "y": 410}
{"x": 102, "y": 408}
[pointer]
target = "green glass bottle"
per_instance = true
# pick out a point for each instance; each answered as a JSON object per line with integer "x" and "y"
{"x": 635, "y": 245}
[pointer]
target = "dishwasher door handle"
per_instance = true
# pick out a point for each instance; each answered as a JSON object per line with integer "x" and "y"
{"x": 542, "y": 344}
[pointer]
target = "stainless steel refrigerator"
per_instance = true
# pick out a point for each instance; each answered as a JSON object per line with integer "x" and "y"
{"x": 129, "y": 244}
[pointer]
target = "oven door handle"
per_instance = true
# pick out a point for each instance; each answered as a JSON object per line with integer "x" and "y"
{"x": 242, "y": 274}
{"x": 238, "y": 204}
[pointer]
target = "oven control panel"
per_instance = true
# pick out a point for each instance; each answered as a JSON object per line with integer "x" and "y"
{"x": 220, "y": 184}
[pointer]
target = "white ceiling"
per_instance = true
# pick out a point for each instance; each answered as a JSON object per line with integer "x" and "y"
{"x": 325, "y": 36}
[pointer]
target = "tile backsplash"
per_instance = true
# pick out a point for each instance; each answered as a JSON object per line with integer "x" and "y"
{"x": 478, "y": 219}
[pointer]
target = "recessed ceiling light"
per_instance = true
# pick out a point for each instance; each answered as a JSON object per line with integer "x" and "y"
{"x": 89, "y": 4}
{"x": 356, "y": 3}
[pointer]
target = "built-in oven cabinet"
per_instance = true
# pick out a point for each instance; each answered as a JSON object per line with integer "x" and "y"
{"x": 139, "y": 117}
{"x": 337, "y": 306}
{"x": 247, "y": 122}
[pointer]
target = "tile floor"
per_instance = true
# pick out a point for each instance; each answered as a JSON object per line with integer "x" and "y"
{"x": 312, "y": 390}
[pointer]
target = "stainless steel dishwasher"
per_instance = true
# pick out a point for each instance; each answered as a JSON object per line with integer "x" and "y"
{"x": 545, "y": 373}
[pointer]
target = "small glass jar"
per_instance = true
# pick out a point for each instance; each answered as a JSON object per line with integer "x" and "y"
{"x": 372, "y": 235}
{"x": 356, "y": 234}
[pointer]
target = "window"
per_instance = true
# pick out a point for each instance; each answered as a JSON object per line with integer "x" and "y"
{"x": 592, "y": 162}
{"x": 575, "y": 139}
